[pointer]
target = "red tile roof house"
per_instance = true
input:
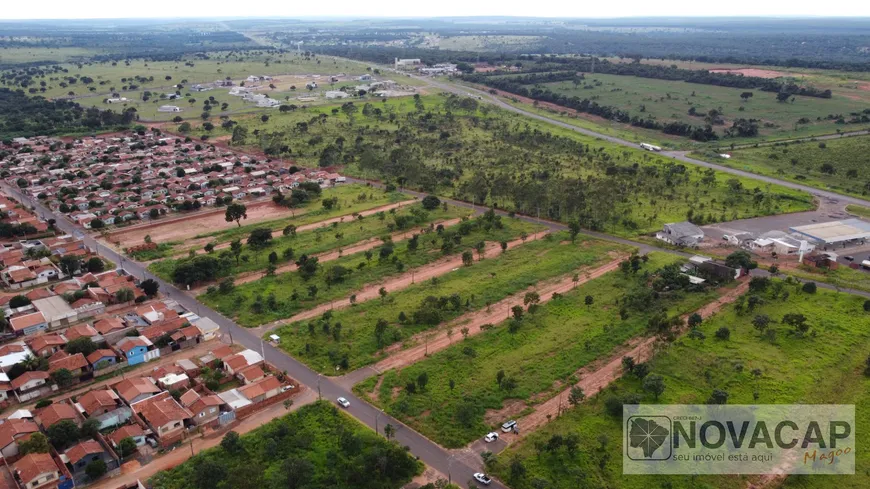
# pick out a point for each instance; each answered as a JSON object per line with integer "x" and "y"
{"x": 31, "y": 385}
{"x": 133, "y": 431}
{"x": 10, "y": 432}
{"x": 82, "y": 331}
{"x": 28, "y": 323}
{"x": 39, "y": 471}
{"x": 105, "y": 406}
{"x": 77, "y": 365}
{"x": 205, "y": 408}
{"x": 164, "y": 416}
{"x": 109, "y": 325}
{"x": 261, "y": 390}
{"x": 102, "y": 358}
{"x": 136, "y": 389}
{"x": 78, "y": 457}
{"x": 55, "y": 413}
{"x": 46, "y": 345}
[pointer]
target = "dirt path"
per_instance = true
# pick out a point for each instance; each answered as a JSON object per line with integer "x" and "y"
{"x": 597, "y": 376}
{"x": 495, "y": 314}
{"x": 132, "y": 471}
{"x": 358, "y": 247}
{"x": 200, "y": 243}
{"x": 420, "y": 274}
{"x": 179, "y": 227}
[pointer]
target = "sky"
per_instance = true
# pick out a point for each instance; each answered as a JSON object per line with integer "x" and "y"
{"x": 87, "y": 9}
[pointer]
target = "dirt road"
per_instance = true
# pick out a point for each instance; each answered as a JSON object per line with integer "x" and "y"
{"x": 597, "y": 376}
{"x": 132, "y": 471}
{"x": 371, "y": 291}
{"x": 182, "y": 227}
{"x": 495, "y": 314}
{"x": 198, "y": 244}
{"x": 331, "y": 255}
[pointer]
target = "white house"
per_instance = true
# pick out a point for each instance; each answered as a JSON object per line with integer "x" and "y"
{"x": 169, "y": 108}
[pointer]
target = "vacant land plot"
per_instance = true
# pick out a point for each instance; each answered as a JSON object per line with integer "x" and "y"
{"x": 840, "y": 165}
{"x": 369, "y": 329}
{"x": 332, "y": 237}
{"x": 454, "y": 146}
{"x": 282, "y": 296}
{"x": 294, "y": 448}
{"x": 483, "y": 381}
{"x": 822, "y": 365}
{"x": 665, "y": 101}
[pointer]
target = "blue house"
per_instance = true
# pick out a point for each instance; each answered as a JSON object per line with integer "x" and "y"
{"x": 138, "y": 349}
{"x": 102, "y": 358}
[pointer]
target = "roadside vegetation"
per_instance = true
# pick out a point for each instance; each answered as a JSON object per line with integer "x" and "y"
{"x": 283, "y": 295}
{"x": 316, "y": 446}
{"x": 366, "y": 330}
{"x": 780, "y": 343}
{"x": 840, "y": 165}
{"x": 481, "y": 382}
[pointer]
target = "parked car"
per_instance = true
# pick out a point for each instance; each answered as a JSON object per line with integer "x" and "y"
{"x": 343, "y": 402}
{"x": 482, "y": 478}
{"x": 490, "y": 437}
{"x": 849, "y": 258}
{"x": 508, "y": 426}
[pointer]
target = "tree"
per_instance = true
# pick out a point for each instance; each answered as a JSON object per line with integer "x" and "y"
{"x": 654, "y": 384}
{"x": 150, "y": 287}
{"x": 531, "y": 300}
{"x": 718, "y": 397}
{"x": 82, "y": 344}
{"x": 809, "y": 287}
{"x": 867, "y": 306}
{"x": 96, "y": 469}
{"x": 380, "y": 330}
{"x": 236, "y": 212}
{"x": 695, "y": 320}
{"x": 740, "y": 259}
{"x": 467, "y": 258}
{"x": 422, "y": 380}
{"x": 126, "y": 447}
{"x": 232, "y": 443}
{"x": 290, "y": 230}
{"x": 62, "y": 377}
{"x": 389, "y": 431}
{"x": 430, "y": 202}
{"x": 746, "y": 96}
{"x": 89, "y": 428}
{"x": 517, "y": 312}
{"x": 95, "y": 265}
{"x": 37, "y": 443}
{"x": 723, "y": 333}
{"x": 69, "y": 264}
{"x": 628, "y": 364}
{"x": 574, "y": 230}
{"x": 63, "y": 434}
{"x": 260, "y": 238}
{"x": 576, "y": 396}
{"x": 589, "y": 300}
{"x": 504, "y": 246}
{"x": 125, "y": 294}
{"x": 97, "y": 224}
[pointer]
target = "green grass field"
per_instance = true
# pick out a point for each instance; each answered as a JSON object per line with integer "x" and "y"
{"x": 316, "y": 446}
{"x": 671, "y": 100}
{"x": 858, "y": 210}
{"x": 542, "y": 356}
{"x": 823, "y": 366}
{"x": 840, "y": 165}
{"x": 843, "y": 277}
{"x": 499, "y": 158}
{"x": 334, "y": 237}
{"x": 240, "y": 304}
{"x": 485, "y": 282}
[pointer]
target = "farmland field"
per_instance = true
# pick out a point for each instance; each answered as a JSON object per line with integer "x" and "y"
{"x": 409, "y": 312}
{"x": 821, "y": 366}
{"x": 327, "y": 238}
{"x": 303, "y": 440}
{"x": 537, "y": 356}
{"x": 840, "y": 165}
{"x": 455, "y": 147}
{"x": 282, "y": 296}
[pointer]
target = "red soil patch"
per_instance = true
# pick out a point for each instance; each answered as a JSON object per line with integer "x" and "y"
{"x": 180, "y": 228}
{"x": 754, "y": 72}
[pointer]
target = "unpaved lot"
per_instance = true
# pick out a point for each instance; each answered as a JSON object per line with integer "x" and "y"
{"x": 595, "y": 377}
{"x": 492, "y": 315}
{"x": 183, "y": 227}
{"x": 371, "y": 291}
{"x": 753, "y": 72}
{"x": 358, "y": 247}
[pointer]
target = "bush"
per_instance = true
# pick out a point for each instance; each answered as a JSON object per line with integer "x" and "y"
{"x": 723, "y": 333}
{"x": 809, "y": 288}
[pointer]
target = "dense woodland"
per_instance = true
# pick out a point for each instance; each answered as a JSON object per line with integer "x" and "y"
{"x": 24, "y": 116}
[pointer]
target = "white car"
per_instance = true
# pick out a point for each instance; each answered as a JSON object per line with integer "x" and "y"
{"x": 482, "y": 478}
{"x": 490, "y": 437}
{"x": 343, "y": 402}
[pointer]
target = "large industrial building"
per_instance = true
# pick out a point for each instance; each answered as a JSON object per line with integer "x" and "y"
{"x": 835, "y": 232}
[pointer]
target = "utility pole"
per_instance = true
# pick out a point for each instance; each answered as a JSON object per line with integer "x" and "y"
{"x": 319, "y": 396}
